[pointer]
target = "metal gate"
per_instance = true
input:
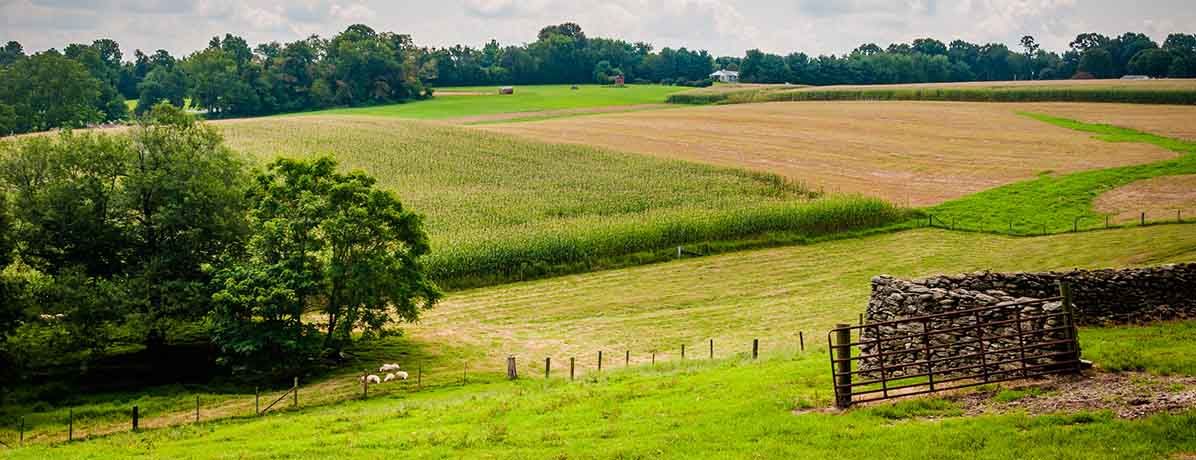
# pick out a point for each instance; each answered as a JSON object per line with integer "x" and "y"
{"x": 958, "y": 349}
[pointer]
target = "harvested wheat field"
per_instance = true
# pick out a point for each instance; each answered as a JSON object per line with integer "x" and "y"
{"x": 920, "y": 153}
{"x": 1177, "y": 121}
{"x": 1159, "y": 197}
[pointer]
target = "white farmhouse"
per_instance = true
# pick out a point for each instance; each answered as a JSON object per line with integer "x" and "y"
{"x": 726, "y": 76}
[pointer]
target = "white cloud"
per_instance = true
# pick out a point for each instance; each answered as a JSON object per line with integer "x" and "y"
{"x": 721, "y": 26}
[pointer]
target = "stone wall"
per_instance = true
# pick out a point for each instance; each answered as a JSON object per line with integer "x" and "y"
{"x": 1100, "y": 296}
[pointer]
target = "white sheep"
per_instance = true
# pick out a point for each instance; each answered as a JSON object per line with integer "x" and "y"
{"x": 370, "y": 378}
{"x": 388, "y": 377}
{"x": 402, "y": 375}
{"x": 388, "y": 368}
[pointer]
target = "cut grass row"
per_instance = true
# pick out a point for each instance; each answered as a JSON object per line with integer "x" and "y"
{"x": 1051, "y": 204}
{"x": 500, "y": 208}
{"x": 730, "y": 407}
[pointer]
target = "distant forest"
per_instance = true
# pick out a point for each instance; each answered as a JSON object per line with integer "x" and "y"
{"x": 85, "y": 84}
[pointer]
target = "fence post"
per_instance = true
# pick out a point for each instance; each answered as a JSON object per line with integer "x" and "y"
{"x": 1143, "y": 221}
{"x": 547, "y": 366}
{"x": 257, "y": 395}
{"x": 842, "y": 355}
{"x": 654, "y": 359}
{"x": 365, "y": 385}
{"x": 295, "y": 389}
{"x": 683, "y": 351}
{"x": 711, "y": 348}
{"x": 572, "y": 366}
{"x": 755, "y": 348}
{"x": 599, "y": 360}
{"x": 197, "y": 408}
{"x": 135, "y": 414}
{"x": 1069, "y": 307}
{"x": 1179, "y": 217}
{"x": 627, "y": 358}
{"x": 801, "y": 340}
{"x": 21, "y": 440}
{"x": 1106, "y": 221}
{"x": 512, "y": 371}
{"x": 419, "y": 376}
{"x": 1075, "y": 225}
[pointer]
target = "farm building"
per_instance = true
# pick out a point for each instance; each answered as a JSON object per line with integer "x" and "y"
{"x": 725, "y": 76}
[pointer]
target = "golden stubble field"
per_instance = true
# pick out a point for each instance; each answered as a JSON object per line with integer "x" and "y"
{"x": 917, "y": 153}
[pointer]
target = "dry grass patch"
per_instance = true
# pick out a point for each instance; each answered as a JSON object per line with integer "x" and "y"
{"x": 920, "y": 153}
{"x": 1165, "y": 120}
{"x": 1161, "y": 196}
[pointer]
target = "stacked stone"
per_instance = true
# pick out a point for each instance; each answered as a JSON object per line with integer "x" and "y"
{"x": 1100, "y": 296}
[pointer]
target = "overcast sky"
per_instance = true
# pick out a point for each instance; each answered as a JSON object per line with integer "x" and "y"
{"x": 725, "y": 27}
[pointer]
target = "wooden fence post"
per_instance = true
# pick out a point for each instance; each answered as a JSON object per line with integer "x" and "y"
{"x": 653, "y": 358}
{"x": 21, "y": 440}
{"x": 547, "y": 366}
{"x": 801, "y": 340}
{"x": 842, "y": 355}
{"x": 135, "y": 415}
{"x": 197, "y": 408}
{"x": 1143, "y": 221}
{"x": 1072, "y": 317}
{"x": 627, "y": 358}
{"x": 711, "y": 348}
{"x": 572, "y": 367}
{"x": 1106, "y": 221}
{"x": 755, "y": 348}
{"x": 599, "y": 360}
{"x": 365, "y": 385}
{"x": 295, "y": 389}
{"x": 683, "y": 351}
{"x": 419, "y": 376}
{"x": 512, "y": 370}
{"x": 257, "y": 395}
{"x": 70, "y": 425}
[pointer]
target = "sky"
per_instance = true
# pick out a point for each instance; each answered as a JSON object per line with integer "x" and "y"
{"x": 724, "y": 27}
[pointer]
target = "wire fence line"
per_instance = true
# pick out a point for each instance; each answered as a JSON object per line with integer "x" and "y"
{"x": 1025, "y": 227}
{"x": 82, "y": 425}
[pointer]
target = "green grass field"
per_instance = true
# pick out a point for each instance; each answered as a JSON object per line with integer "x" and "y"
{"x": 731, "y": 407}
{"x": 769, "y": 295}
{"x": 1058, "y": 203}
{"x": 530, "y": 98}
{"x": 500, "y": 208}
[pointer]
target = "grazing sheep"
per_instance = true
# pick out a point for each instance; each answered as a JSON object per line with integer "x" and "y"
{"x": 388, "y": 368}
{"x": 402, "y": 375}
{"x": 388, "y": 377}
{"x": 370, "y": 378}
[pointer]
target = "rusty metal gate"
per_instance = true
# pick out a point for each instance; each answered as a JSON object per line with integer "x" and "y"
{"x": 957, "y": 349}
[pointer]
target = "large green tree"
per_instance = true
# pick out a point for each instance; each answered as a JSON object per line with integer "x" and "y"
{"x": 326, "y": 241}
{"x": 48, "y": 90}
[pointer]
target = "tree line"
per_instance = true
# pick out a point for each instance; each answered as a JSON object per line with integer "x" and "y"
{"x": 162, "y": 237}
{"x": 88, "y": 84}
{"x": 927, "y": 60}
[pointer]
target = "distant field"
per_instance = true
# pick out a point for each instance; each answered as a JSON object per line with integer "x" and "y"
{"x": 1166, "y": 91}
{"x": 465, "y": 102}
{"x": 919, "y": 153}
{"x": 501, "y": 208}
{"x": 1166, "y": 194}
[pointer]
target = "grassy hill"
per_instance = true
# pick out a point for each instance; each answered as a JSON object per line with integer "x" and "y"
{"x": 731, "y": 407}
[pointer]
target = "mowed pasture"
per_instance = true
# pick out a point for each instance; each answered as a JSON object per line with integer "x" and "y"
{"x": 916, "y": 153}
{"x": 766, "y": 294}
{"x": 500, "y": 208}
{"x": 770, "y": 294}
